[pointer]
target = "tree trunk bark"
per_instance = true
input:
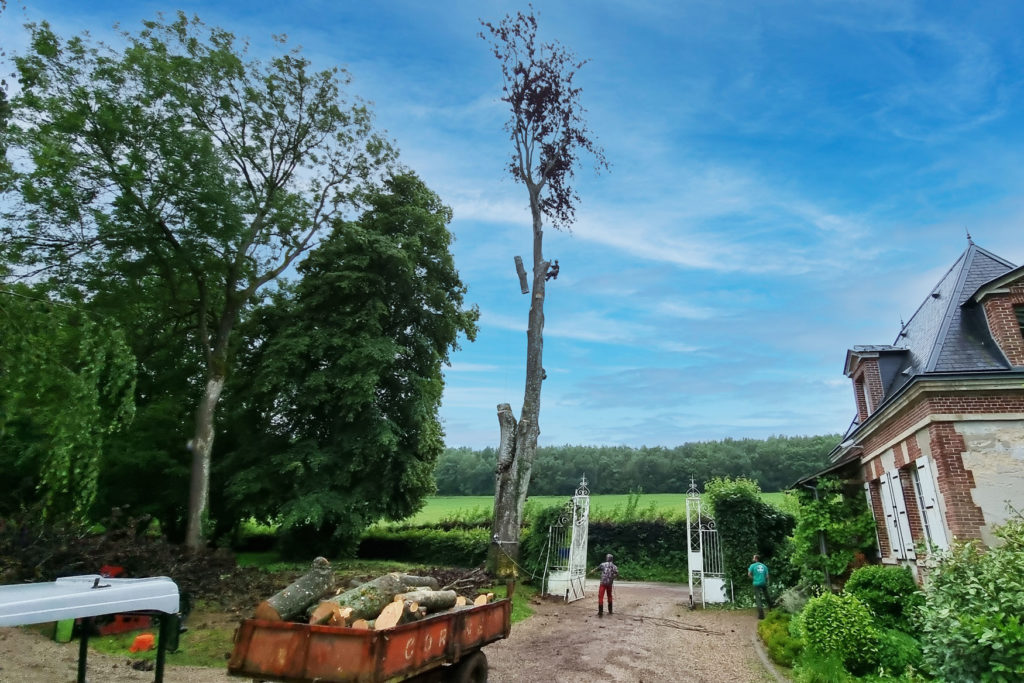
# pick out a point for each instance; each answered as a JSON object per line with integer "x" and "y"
{"x": 434, "y": 601}
{"x": 518, "y": 445}
{"x": 202, "y": 447}
{"x": 299, "y": 595}
{"x": 420, "y": 581}
{"x": 371, "y": 597}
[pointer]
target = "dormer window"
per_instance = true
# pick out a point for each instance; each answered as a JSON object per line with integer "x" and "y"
{"x": 862, "y": 386}
{"x": 1019, "y": 310}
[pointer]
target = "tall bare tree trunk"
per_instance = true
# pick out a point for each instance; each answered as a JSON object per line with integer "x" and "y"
{"x": 202, "y": 448}
{"x": 518, "y": 441}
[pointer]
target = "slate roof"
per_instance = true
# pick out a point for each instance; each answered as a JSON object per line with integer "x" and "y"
{"x": 948, "y": 332}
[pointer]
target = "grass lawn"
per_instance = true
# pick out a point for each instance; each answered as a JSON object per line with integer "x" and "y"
{"x": 670, "y": 505}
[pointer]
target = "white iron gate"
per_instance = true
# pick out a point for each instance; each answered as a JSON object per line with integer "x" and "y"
{"x": 704, "y": 554}
{"x": 565, "y": 566}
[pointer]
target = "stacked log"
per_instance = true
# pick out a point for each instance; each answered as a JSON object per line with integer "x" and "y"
{"x": 293, "y": 600}
{"x": 381, "y": 603}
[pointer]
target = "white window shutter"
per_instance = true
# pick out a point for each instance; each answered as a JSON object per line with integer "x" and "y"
{"x": 930, "y": 504}
{"x": 891, "y": 528}
{"x": 896, "y": 522}
{"x": 871, "y": 507}
{"x": 901, "y": 517}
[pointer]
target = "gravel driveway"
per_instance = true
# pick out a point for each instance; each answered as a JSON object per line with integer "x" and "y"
{"x": 652, "y": 637}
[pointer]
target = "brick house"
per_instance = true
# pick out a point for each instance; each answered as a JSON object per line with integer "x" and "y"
{"x": 938, "y": 440}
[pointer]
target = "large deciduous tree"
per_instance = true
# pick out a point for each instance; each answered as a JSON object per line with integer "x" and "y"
{"x": 548, "y": 135}
{"x": 181, "y": 163}
{"x": 338, "y": 391}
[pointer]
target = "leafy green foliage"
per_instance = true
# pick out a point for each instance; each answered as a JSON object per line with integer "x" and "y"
{"x": 841, "y": 625}
{"x": 898, "y": 651}
{"x": 782, "y": 647}
{"x": 814, "y": 667}
{"x": 184, "y": 173}
{"x": 847, "y": 525}
{"x": 748, "y": 526}
{"x": 343, "y": 377}
{"x": 774, "y": 463}
{"x": 890, "y": 593}
{"x": 66, "y": 386}
{"x": 973, "y": 617}
{"x": 456, "y": 547}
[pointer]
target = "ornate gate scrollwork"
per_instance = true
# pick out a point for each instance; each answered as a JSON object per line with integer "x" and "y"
{"x": 565, "y": 568}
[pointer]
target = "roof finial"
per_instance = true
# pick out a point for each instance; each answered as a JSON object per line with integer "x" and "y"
{"x": 969, "y": 240}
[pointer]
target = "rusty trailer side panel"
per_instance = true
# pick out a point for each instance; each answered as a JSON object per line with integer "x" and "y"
{"x": 302, "y": 653}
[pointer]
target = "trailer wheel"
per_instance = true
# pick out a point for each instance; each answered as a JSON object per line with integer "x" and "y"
{"x": 472, "y": 669}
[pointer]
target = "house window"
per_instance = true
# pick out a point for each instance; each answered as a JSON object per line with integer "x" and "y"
{"x": 1019, "y": 310}
{"x": 865, "y": 395}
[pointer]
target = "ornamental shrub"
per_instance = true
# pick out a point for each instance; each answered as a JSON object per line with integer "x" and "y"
{"x": 972, "y": 622}
{"x": 783, "y": 648}
{"x": 897, "y": 651}
{"x": 841, "y": 625}
{"x": 890, "y": 593}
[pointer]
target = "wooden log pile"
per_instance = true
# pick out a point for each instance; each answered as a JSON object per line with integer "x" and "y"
{"x": 381, "y": 603}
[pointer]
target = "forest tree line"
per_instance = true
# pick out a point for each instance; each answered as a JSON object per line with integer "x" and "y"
{"x": 775, "y": 463}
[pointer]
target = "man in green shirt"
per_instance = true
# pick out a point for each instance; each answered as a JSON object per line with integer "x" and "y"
{"x": 759, "y": 573}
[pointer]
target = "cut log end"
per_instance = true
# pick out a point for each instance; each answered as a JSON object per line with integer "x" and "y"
{"x": 265, "y": 611}
{"x": 390, "y": 616}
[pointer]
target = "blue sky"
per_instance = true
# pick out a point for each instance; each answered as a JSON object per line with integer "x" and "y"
{"x": 788, "y": 179}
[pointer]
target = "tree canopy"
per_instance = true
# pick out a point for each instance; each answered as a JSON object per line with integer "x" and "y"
{"x": 340, "y": 384}
{"x": 180, "y": 167}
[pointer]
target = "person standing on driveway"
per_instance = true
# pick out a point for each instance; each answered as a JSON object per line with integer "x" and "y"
{"x": 609, "y": 572}
{"x": 759, "y": 573}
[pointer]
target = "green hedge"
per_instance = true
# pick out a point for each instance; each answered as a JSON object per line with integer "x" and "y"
{"x": 454, "y": 547}
{"x": 644, "y": 550}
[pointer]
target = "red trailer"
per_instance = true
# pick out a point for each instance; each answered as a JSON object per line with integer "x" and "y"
{"x": 443, "y": 647}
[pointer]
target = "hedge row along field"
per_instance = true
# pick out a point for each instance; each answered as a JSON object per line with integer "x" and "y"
{"x": 439, "y": 509}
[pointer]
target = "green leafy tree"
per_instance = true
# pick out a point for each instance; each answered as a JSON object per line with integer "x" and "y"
{"x": 843, "y": 522}
{"x": 66, "y": 385}
{"x": 548, "y": 134}
{"x": 972, "y": 626}
{"x": 342, "y": 383}
{"x": 181, "y": 161}
{"x": 747, "y": 526}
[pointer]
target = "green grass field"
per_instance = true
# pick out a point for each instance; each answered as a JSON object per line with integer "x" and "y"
{"x": 669, "y": 505}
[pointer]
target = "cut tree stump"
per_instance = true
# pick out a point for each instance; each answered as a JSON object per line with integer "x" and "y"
{"x": 460, "y": 601}
{"x": 361, "y": 624}
{"x": 434, "y": 601}
{"x": 305, "y": 591}
{"x": 483, "y": 599}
